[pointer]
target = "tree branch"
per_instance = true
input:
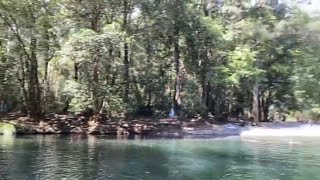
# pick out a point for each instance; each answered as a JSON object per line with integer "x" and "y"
{"x": 14, "y": 30}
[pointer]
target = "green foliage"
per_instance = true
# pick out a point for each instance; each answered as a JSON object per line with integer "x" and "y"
{"x": 120, "y": 55}
{"x": 242, "y": 64}
{"x": 79, "y": 96}
{"x": 192, "y": 104}
{"x": 7, "y": 129}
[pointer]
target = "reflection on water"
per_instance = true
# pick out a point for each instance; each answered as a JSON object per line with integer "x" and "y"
{"x": 94, "y": 157}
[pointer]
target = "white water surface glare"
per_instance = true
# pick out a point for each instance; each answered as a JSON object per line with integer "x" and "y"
{"x": 283, "y": 130}
{"x": 99, "y": 157}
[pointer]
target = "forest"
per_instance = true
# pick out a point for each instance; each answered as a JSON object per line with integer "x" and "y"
{"x": 217, "y": 58}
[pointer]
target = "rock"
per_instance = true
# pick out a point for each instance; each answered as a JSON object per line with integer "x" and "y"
{"x": 24, "y": 119}
{"x": 25, "y": 129}
{"x": 169, "y": 121}
{"x": 122, "y": 131}
{"x": 92, "y": 130}
{"x": 77, "y": 130}
{"x": 188, "y": 129}
{"x": 137, "y": 128}
{"x": 92, "y": 123}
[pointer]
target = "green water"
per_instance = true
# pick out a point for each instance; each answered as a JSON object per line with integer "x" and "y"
{"x": 76, "y": 157}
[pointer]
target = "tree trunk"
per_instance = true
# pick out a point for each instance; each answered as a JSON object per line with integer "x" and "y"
{"x": 161, "y": 73}
{"x": 95, "y": 90}
{"x": 76, "y": 71}
{"x": 209, "y": 102}
{"x": 31, "y": 65}
{"x": 96, "y": 60}
{"x": 176, "y": 56}
{"x": 108, "y": 68}
{"x": 126, "y": 74}
{"x": 177, "y": 83}
{"x": 46, "y": 80}
{"x": 34, "y": 88}
{"x": 266, "y": 106}
{"x": 205, "y": 7}
{"x": 138, "y": 93}
{"x": 150, "y": 68}
{"x": 22, "y": 81}
{"x": 262, "y": 106}
{"x": 256, "y": 103}
{"x": 205, "y": 63}
{"x": 204, "y": 80}
{"x": 47, "y": 59}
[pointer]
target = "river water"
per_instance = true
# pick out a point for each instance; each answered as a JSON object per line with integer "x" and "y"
{"x": 99, "y": 157}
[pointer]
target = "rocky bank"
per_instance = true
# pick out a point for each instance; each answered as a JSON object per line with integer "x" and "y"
{"x": 64, "y": 124}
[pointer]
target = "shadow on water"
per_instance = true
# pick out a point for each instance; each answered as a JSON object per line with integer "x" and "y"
{"x": 76, "y": 157}
{"x": 99, "y": 157}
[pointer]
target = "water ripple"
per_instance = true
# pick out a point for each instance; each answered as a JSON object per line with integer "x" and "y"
{"x": 55, "y": 157}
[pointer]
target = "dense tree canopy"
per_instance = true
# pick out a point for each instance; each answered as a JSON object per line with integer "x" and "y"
{"x": 206, "y": 57}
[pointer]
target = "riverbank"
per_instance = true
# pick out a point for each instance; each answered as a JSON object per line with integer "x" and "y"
{"x": 64, "y": 124}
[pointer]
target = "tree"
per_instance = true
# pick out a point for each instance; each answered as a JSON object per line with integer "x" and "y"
{"x": 225, "y": 58}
